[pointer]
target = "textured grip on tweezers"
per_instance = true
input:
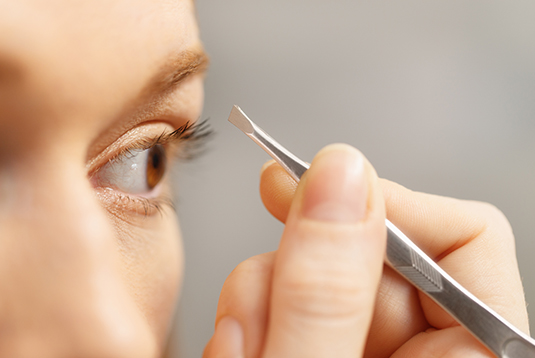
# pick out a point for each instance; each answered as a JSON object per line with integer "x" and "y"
{"x": 422, "y": 274}
{"x": 502, "y": 338}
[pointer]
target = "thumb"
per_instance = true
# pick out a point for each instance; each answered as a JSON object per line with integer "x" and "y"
{"x": 329, "y": 262}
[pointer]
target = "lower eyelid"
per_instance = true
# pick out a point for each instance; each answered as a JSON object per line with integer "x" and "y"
{"x": 136, "y": 206}
{"x": 132, "y": 208}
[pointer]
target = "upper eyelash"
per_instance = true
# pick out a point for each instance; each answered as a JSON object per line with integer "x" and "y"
{"x": 192, "y": 135}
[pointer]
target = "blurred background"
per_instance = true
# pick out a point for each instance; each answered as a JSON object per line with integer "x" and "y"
{"x": 439, "y": 95}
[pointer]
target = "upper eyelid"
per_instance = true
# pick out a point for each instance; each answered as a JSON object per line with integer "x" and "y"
{"x": 179, "y": 103}
{"x": 190, "y": 133}
{"x": 135, "y": 137}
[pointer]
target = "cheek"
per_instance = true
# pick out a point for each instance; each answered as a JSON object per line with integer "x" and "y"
{"x": 152, "y": 266}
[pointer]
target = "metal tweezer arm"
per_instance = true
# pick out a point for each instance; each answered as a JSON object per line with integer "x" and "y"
{"x": 498, "y": 335}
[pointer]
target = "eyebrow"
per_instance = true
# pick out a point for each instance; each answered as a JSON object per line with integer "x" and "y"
{"x": 176, "y": 70}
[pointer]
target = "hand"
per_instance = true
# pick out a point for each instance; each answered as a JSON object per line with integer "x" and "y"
{"x": 321, "y": 294}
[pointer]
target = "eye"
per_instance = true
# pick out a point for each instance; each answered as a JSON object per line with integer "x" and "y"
{"x": 129, "y": 176}
{"x": 138, "y": 171}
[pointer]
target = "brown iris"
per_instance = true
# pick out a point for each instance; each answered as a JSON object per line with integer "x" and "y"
{"x": 155, "y": 166}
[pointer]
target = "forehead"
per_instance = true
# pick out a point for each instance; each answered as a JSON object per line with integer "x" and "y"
{"x": 77, "y": 60}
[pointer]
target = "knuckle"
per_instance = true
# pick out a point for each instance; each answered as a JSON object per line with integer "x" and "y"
{"x": 251, "y": 276}
{"x": 490, "y": 229}
{"x": 325, "y": 291}
{"x": 254, "y": 266}
{"x": 493, "y": 219}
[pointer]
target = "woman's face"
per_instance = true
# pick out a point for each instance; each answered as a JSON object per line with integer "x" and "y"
{"x": 90, "y": 252}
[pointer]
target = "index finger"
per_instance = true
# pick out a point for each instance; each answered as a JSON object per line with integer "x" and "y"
{"x": 472, "y": 241}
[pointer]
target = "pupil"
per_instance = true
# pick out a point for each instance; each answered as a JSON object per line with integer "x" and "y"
{"x": 155, "y": 160}
{"x": 156, "y": 166}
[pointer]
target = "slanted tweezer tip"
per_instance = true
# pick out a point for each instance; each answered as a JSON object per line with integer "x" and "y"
{"x": 240, "y": 120}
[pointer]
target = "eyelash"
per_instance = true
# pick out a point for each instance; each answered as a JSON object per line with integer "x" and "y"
{"x": 192, "y": 138}
{"x": 148, "y": 205}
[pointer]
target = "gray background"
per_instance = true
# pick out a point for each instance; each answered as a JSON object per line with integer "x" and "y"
{"x": 440, "y": 96}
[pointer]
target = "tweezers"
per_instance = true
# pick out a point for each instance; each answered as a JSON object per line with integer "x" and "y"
{"x": 498, "y": 335}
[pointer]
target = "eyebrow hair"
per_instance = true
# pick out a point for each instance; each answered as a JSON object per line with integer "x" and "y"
{"x": 176, "y": 70}
{"x": 178, "y": 67}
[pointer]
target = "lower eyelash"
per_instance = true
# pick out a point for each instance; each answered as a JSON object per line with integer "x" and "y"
{"x": 146, "y": 206}
{"x": 154, "y": 204}
{"x": 122, "y": 205}
{"x": 186, "y": 142}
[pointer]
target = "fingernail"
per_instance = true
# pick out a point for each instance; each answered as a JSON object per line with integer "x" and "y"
{"x": 336, "y": 188}
{"x": 266, "y": 165}
{"x": 228, "y": 339}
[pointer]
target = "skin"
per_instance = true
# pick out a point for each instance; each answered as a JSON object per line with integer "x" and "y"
{"x": 325, "y": 292}
{"x": 84, "y": 271}
{"x": 87, "y": 271}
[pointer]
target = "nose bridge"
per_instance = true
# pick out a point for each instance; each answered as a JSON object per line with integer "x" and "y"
{"x": 52, "y": 227}
{"x": 62, "y": 290}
